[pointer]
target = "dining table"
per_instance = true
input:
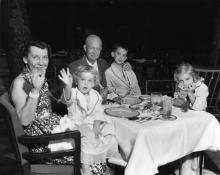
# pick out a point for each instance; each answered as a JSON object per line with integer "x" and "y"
{"x": 149, "y": 143}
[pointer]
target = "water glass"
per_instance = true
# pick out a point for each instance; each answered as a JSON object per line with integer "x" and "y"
{"x": 156, "y": 100}
{"x": 167, "y": 107}
{"x": 185, "y": 106}
{"x": 167, "y": 110}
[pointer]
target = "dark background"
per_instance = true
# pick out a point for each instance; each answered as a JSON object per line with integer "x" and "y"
{"x": 147, "y": 26}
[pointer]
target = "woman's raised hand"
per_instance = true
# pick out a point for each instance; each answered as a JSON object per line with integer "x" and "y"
{"x": 66, "y": 77}
{"x": 38, "y": 80}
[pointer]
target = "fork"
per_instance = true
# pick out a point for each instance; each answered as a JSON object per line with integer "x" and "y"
{"x": 142, "y": 119}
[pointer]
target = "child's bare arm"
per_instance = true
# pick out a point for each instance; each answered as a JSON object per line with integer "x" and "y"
{"x": 67, "y": 79}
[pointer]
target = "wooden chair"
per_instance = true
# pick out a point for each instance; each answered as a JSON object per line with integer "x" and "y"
{"x": 212, "y": 80}
{"x": 25, "y": 157}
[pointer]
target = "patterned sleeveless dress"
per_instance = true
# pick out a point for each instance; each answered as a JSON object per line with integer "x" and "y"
{"x": 45, "y": 120}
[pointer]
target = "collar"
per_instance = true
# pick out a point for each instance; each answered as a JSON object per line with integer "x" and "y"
{"x": 90, "y": 64}
{"x": 199, "y": 82}
{"x": 81, "y": 100}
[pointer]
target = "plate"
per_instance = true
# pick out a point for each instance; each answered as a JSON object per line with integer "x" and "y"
{"x": 178, "y": 102}
{"x": 122, "y": 112}
{"x": 170, "y": 118}
{"x": 145, "y": 97}
{"x": 141, "y": 106}
{"x": 127, "y": 100}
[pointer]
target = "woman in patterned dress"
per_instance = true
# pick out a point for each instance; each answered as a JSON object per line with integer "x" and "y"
{"x": 31, "y": 97}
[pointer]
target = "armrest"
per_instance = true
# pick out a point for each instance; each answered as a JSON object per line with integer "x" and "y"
{"x": 26, "y": 140}
{"x": 32, "y": 156}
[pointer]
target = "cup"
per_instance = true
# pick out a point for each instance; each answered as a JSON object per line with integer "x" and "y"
{"x": 156, "y": 100}
{"x": 167, "y": 110}
{"x": 167, "y": 107}
{"x": 184, "y": 107}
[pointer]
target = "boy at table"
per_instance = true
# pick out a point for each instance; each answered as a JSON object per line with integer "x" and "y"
{"x": 121, "y": 79}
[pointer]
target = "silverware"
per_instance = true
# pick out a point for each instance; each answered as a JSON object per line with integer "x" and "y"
{"x": 143, "y": 119}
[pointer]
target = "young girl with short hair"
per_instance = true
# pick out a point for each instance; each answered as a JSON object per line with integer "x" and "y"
{"x": 191, "y": 86}
{"x": 86, "y": 114}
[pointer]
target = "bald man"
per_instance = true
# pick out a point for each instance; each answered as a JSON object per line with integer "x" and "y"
{"x": 92, "y": 48}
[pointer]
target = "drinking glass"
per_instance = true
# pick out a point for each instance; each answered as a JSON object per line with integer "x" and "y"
{"x": 167, "y": 110}
{"x": 156, "y": 100}
{"x": 185, "y": 106}
{"x": 167, "y": 107}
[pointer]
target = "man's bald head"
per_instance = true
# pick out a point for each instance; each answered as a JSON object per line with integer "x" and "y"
{"x": 93, "y": 47}
{"x": 93, "y": 38}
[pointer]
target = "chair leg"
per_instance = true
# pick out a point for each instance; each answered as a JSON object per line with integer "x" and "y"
{"x": 201, "y": 162}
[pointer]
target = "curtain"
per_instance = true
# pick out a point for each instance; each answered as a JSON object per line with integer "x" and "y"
{"x": 16, "y": 32}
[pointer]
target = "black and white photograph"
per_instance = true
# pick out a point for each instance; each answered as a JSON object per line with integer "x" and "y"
{"x": 109, "y": 87}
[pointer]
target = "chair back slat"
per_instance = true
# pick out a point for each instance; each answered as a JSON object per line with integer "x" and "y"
{"x": 14, "y": 125}
{"x": 206, "y": 76}
{"x": 216, "y": 88}
{"x": 212, "y": 80}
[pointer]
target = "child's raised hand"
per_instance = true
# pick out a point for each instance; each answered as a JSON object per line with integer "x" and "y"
{"x": 66, "y": 77}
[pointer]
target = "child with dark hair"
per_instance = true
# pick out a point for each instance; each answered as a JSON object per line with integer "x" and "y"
{"x": 121, "y": 79}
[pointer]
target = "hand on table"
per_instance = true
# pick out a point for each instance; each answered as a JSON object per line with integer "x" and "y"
{"x": 133, "y": 91}
{"x": 122, "y": 91}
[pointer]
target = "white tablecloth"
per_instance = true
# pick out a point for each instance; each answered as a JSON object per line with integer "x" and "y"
{"x": 154, "y": 143}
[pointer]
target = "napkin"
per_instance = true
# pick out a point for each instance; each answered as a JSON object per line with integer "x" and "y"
{"x": 61, "y": 145}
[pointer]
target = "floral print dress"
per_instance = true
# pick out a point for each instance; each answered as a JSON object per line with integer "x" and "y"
{"x": 45, "y": 120}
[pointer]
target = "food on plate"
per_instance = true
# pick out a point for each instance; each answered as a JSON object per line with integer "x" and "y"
{"x": 145, "y": 97}
{"x": 141, "y": 106}
{"x": 121, "y": 112}
{"x": 127, "y": 100}
{"x": 178, "y": 102}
